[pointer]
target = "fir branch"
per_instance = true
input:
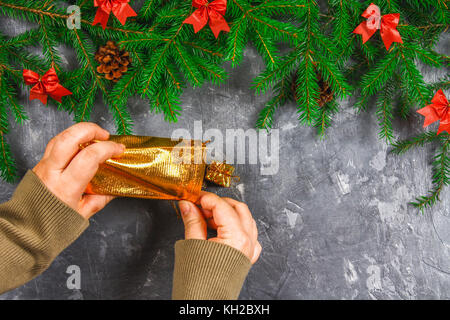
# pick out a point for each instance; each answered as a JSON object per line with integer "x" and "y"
{"x": 443, "y": 11}
{"x": 149, "y": 8}
{"x": 29, "y": 9}
{"x": 361, "y": 103}
{"x": 264, "y": 31}
{"x": 369, "y": 51}
{"x": 211, "y": 72}
{"x": 265, "y": 47}
{"x": 414, "y": 82}
{"x": 176, "y": 81}
{"x": 283, "y": 93}
{"x": 121, "y": 116}
{"x": 166, "y": 100}
{"x": 376, "y": 78}
{"x": 16, "y": 108}
{"x": 237, "y": 41}
{"x": 405, "y": 103}
{"x": 27, "y": 38}
{"x": 307, "y": 92}
{"x": 203, "y": 49}
{"x": 342, "y": 23}
{"x": 443, "y": 84}
{"x": 275, "y": 73}
{"x": 441, "y": 178}
{"x": 324, "y": 119}
{"x": 28, "y": 61}
{"x": 7, "y": 163}
{"x": 167, "y": 55}
{"x": 425, "y": 55}
{"x": 402, "y": 146}
{"x": 49, "y": 46}
{"x": 85, "y": 106}
{"x": 125, "y": 87}
{"x": 384, "y": 112}
{"x": 187, "y": 65}
{"x": 333, "y": 76}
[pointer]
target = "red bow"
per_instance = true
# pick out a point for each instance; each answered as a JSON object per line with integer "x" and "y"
{"x": 438, "y": 110}
{"x": 47, "y": 85}
{"x": 387, "y": 25}
{"x": 120, "y": 8}
{"x": 213, "y": 12}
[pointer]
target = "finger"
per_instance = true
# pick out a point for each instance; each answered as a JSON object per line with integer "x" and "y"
{"x": 67, "y": 144}
{"x": 194, "y": 223}
{"x": 49, "y": 148}
{"x": 223, "y": 213}
{"x": 85, "y": 164}
{"x": 90, "y": 204}
{"x": 245, "y": 215}
{"x": 208, "y": 214}
{"x": 254, "y": 230}
{"x": 256, "y": 253}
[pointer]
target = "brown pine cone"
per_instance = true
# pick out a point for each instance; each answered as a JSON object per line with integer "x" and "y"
{"x": 326, "y": 93}
{"x": 113, "y": 61}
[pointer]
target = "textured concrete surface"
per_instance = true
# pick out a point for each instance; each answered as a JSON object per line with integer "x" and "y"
{"x": 334, "y": 222}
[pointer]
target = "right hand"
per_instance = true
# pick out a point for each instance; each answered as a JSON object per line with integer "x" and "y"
{"x": 66, "y": 170}
{"x": 232, "y": 220}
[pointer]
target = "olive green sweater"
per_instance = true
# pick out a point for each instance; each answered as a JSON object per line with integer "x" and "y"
{"x": 35, "y": 226}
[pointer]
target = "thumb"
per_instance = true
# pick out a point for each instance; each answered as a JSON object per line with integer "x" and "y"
{"x": 194, "y": 223}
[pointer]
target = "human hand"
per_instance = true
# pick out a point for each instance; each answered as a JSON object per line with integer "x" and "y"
{"x": 66, "y": 170}
{"x": 232, "y": 220}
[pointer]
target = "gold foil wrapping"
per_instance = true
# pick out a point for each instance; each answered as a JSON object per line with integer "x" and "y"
{"x": 153, "y": 168}
{"x": 220, "y": 173}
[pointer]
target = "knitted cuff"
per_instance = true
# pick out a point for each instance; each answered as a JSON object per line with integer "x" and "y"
{"x": 35, "y": 207}
{"x": 208, "y": 270}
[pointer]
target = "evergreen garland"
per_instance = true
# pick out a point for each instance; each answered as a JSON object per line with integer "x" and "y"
{"x": 167, "y": 56}
{"x": 441, "y": 164}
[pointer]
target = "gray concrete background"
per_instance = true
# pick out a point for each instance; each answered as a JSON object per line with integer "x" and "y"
{"x": 334, "y": 222}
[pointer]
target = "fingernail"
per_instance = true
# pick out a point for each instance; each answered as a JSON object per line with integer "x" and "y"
{"x": 122, "y": 146}
{"x": 185, "y": 207}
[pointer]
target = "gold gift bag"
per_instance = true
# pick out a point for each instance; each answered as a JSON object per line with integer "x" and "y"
{"x": 153, "y": 168}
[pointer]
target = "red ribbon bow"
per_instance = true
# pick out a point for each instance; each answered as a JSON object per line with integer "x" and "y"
{"x": 120, "y": 8}
{"x": 387, "y": 25}
{"x": 438, "y": 110}
{"x": 213, "y": 12}
{"x": 47, "y": 85}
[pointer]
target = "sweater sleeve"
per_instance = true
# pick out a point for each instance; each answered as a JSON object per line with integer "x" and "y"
{"x": 35, "y": 226}
{"x": 208, "y": 270}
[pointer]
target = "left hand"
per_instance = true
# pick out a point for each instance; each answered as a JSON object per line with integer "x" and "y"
{"x": 232, "y": 219}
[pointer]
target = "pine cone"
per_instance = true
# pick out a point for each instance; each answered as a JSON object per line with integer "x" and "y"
{"x": 113, "y": 61}
{"x": 326, "y": 93}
